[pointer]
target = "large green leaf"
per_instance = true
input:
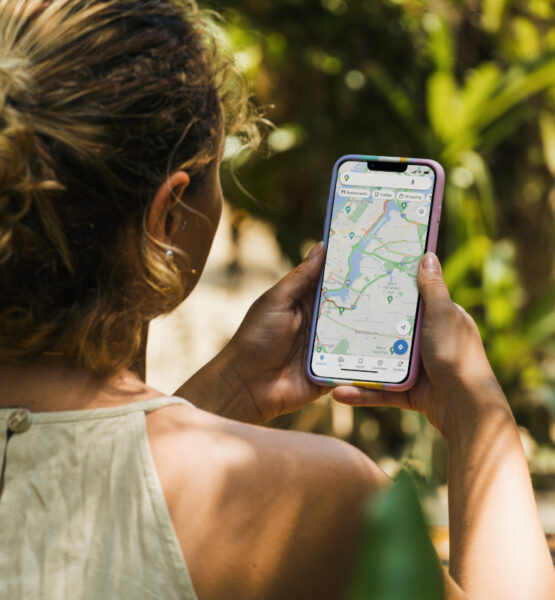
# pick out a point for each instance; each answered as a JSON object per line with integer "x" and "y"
{"x": 397, "y": 560}
{"x": 518, "y": 86}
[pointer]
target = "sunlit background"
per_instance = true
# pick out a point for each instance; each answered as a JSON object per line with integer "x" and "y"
{"x": 470, "y": 84}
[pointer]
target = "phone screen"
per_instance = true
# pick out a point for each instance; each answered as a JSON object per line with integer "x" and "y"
{"x": 369, "y": 300}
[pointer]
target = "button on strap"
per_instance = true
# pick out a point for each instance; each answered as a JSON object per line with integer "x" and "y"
{"x": 19, "y": 421}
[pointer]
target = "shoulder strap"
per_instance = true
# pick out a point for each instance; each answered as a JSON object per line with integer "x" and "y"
{"x": 145, "y": 406}
{"x": 155, "y": 403}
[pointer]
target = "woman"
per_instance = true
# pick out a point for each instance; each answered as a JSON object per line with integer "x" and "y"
{"x": 113, "y": 116}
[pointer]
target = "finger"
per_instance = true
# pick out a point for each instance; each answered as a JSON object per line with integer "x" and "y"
{"x": 431, "y": 285}
{"x": 298, "y": 282}
{"x": 357, "y": 396}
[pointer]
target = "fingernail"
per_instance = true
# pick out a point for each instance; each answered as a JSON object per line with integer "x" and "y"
{"x": 430, "y": 262}
{"x": 315, "y": 251}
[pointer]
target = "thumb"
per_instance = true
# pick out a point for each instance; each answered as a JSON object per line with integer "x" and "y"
{"x": 297, "y": 283}
{"x": 431, "y": 286}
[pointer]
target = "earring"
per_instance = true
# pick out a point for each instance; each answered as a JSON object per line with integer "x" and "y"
{"x": 183, "y": 224}
{"x": 169, "y": 253}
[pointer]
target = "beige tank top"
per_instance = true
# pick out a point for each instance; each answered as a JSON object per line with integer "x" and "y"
{"x": 82, "y": 512}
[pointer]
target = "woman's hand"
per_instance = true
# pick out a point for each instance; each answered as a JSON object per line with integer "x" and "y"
{"x": 453, "y": 360}
{"x": 261, "y": 374}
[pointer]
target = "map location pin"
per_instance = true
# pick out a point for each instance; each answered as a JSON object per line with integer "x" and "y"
{"x": 389, "y": 299}
{"x": 341, "y": 309}
{"x": 351, "y": 235}
{"x": 347, "y": 209}
{"x": 403, "y": 205}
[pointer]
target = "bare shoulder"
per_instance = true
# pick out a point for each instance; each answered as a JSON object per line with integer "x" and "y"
{"x": 275, "y": 511}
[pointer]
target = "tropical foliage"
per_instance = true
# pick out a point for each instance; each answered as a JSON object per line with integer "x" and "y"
{"x": 471, "y": 84}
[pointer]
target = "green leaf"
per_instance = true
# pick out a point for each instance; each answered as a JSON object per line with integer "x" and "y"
{"x": 526, "y": 39}
{"x": 468, "y": 258}
{"x": 547, "y": 130}
{"x": 539, "y": 324}
{"x": 480, "y": 84}
{"x": 519, "y": 86}
{"x": 493, "y": 12}
{"x": 443, "y": 104}
{"x": 440, "y": 46}
{"x": 397, "y": 559}
{"x": 397, "y": 97}
{"x": 484, "y": 184}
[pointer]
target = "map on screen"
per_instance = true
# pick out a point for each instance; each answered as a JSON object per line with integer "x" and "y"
{"x": 368, "y": 300}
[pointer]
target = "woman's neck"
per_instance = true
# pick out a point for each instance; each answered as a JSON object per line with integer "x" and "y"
{"x": 54, "y": 385}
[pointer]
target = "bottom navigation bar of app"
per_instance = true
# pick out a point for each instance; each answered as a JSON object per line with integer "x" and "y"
{"x": 372, "y": 368}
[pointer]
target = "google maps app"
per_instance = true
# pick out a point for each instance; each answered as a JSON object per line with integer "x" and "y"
{"x": 368, "y": 300}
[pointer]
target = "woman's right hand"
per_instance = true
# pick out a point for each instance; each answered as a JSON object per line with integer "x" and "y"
{"x": 453, "y": 359}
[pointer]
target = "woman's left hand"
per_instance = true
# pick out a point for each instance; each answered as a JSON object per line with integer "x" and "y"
{"x": 261, "y": 373}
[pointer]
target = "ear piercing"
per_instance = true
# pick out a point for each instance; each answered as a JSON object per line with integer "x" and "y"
{"x": 169, "y": 254}
{"x": 183, "y": 224}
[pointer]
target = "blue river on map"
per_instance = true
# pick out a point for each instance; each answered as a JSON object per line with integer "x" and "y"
{"x": 357, "y": 255}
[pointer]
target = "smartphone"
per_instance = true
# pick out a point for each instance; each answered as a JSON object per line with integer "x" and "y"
{"x": 382, "y": 216}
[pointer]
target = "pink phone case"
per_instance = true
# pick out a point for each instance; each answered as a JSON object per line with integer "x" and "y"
{"x": 437, "y": 198}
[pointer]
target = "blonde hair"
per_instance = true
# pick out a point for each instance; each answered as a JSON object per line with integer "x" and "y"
{"x": 99, "y": 102}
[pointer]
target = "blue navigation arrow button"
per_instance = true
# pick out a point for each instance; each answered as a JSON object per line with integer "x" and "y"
{"x": 400, "y": 347}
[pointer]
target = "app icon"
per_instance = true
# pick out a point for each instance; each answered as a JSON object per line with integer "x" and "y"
{"x": 400, "y": 347}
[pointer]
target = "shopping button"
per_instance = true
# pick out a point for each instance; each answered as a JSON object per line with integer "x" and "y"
{"x": 400, "y": 347}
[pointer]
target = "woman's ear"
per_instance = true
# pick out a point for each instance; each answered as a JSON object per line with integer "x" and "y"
{"x": 159, "y": 219}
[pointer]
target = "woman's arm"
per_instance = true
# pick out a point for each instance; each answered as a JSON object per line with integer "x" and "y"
{"x": 260, "y": 374}
{"x": 498, "y": 549}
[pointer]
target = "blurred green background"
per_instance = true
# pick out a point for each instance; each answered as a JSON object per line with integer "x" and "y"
{"x": 470, "y": 84}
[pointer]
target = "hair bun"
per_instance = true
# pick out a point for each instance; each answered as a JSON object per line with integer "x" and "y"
{"x": 17, "y": 138}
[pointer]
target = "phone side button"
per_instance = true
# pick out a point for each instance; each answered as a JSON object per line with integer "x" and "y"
{"x": 369, "y": 385}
